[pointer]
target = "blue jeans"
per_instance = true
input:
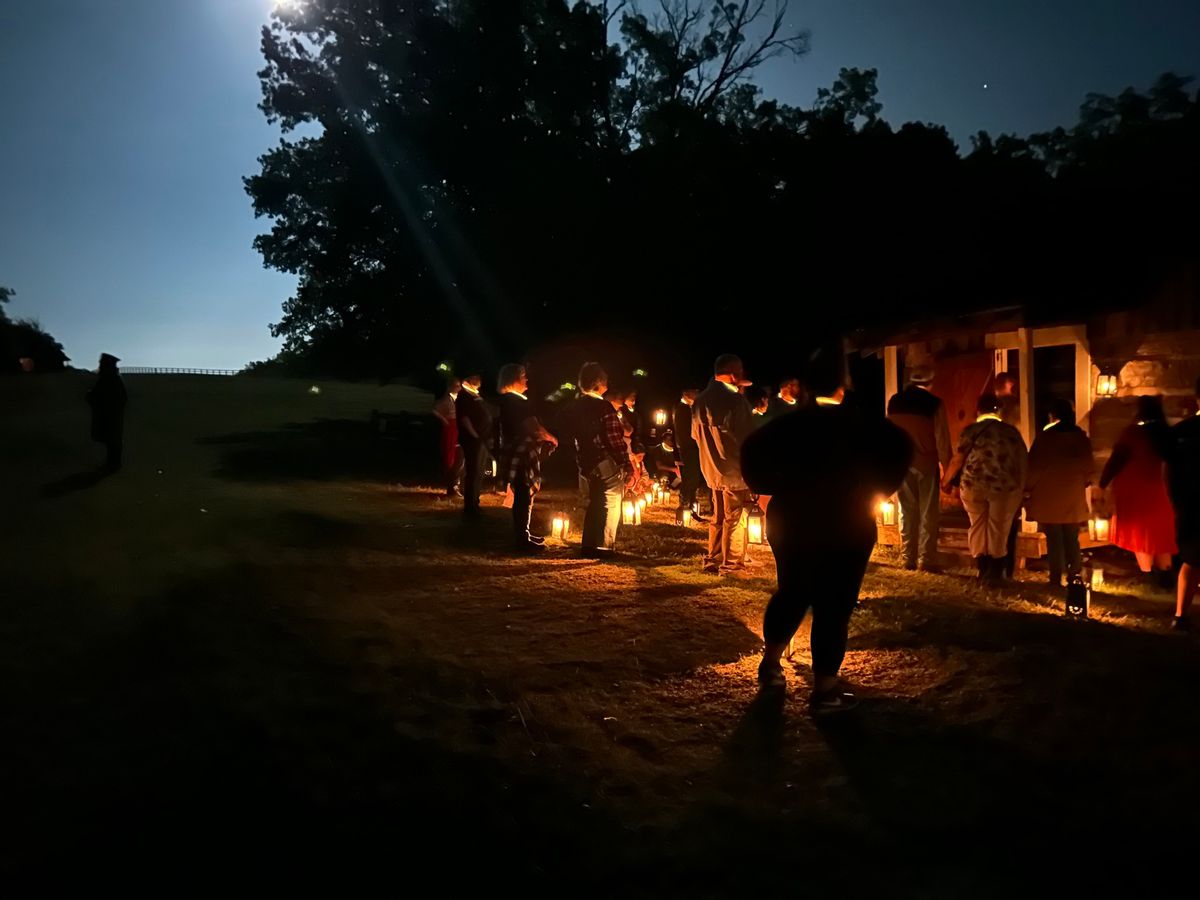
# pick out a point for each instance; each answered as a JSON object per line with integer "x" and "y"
{"x": 1062, "y": 550}
{"x": 920, "y": 514}
{"x": 605, "y": 492}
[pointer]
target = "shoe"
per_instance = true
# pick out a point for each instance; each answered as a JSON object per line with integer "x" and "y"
{"x": 910, "y": 566}
{"x": 696, "y": 517}
{"x": 530, "y": 548}
{"x": 535, "y": 539}
{"x": 454, "y": 494}
{"x": 770, "y": 676}
{"x": 1181, "y": 623}
{"x": 930, "y": 568}
{"x": 597, "y": 553}
{"x": 829, "y": 702}
{"x": 711, "y": 570}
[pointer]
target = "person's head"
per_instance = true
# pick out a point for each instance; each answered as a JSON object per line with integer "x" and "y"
{"x": 108, "y": 362}
{"x": 689, "y": 396}
{"x": 616, "y": 396}
{"x": 473, "y": 382}
{"x": 1006, "y": 385}
{"x": 1150, "y": 409}
{"x": 789, "y": 390}
{"x": 1061, "y": 410}
{"x": 512, "y": 378}
{"x": 631, "y": 399}
{"x": 988, "y": 405}
{"x": 593, "y": 379}
{"x": 921, "y": 376}
{"x": 668, "y": 441}
{"x": 758, "y": 399}
{"x": 729, "y": 369}
{"x": 826, "y": 376}
{"x": 453, "y": 386}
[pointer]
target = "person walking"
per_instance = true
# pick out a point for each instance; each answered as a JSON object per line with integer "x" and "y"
{"x": 1061, "y": 466}
{"x": 722, "y": 421}
{"x": 989, "y": 469}
{"x": 474, "y": 434}
{"x": 687, "y": 450}
{"x": 922, "y": 415}
{"x": 108, "y": 399}
{"x": 1182, "y": 453}
{"x": 452, "y": 453}
{"x": 1143, "y": 520}
{"x": 823, "y": 466}
{"x": 602, "y": 455}
{"x": 520, "y": 430}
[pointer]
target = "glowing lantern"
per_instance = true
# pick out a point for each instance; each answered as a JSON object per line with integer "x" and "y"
{"x": 666, "y": 495}
{"x": 647, "y": 499}
{"x": 560, "y": 526}
{"x": 493, "y": 468}
{"x": 443, "y": 367}
{"x": 637, "y": 511}
{"x": 1106, "y": 386}
{"x": 660, "y": 417}
{"x": 886, "y": 512}
{"x": 1079, "y": 597}
{"x": 1099, "y": 529}
{"x": 683, "y": 517}
{"x": 628, "y": 510}
{"x": 315, "y": 389}
{"x": 754, "y": 525}
{"x": 1094, "y": 577}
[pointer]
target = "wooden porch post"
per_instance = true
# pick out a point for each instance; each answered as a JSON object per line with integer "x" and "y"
{"x": 1025, "y": 383}
{"x": 891, "y": 375}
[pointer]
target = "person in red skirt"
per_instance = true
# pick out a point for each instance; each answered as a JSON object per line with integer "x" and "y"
{"x": 451, "y": 452}
{"x": 1144, "y": 520}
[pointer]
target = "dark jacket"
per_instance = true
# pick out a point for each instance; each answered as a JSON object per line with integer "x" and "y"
{"x": 681, "y": 426}
{"x": 823, "y": 467}
{"x": 1061, "y": 466}
{"x": 471, "y": 408}
{"x": 515, "y": 411}
{"x": 107, "y": 398}
{"x": 720, "y": 423}
{"x": 923, "y": 416}
{"x": 1182, "y": 452}
{"x": 596, "y": 430}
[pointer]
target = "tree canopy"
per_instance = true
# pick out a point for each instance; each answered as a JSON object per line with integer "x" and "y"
{"x": 468, "y": 178}
{"x": 26, "y": 339}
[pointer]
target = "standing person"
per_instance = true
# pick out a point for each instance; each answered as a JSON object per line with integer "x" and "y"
{"x": 603, "y": 458}
{"x": 1144, "y": 521}
{"x": 452, "y": 453}
{"x": 760, "y": 403}
{"x": 922, "y": 415}
{"x": 823, "y": 465}
{"x": 474, "y": 434}
{"x": 107, "y": 398}
{"x": 518, "y": 424}
{"x": 1010, "y": 413}
{"x": 689, "y": 453}
{"x": 1182, "y": 452}
{"x": 791, "y": 396}
{"x": 989, "y": 468}
{"x": 1061, "y": 466}
{"x": 721, "y": 422}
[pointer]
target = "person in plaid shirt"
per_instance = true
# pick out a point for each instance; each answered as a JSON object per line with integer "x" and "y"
{"x": 603, "y": 458}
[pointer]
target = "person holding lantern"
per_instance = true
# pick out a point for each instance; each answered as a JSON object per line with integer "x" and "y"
{"x": 1182, "y": 452}
{"x": 720, "y": 423}
{"x": 474, "y": 433}
{"x": 922, "y": 415}
{"x": 520, "y": 439}
{"x": 1144, "y": 521}
{"x": 823, "y": 466}
{"x": 603, "y": 459}
{"x": 452, "y": 453}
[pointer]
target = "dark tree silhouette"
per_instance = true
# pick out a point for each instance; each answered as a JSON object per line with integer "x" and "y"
{"x": 25, "y": 339}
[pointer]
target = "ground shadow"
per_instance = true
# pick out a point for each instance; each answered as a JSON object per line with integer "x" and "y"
{"x": 80, "y": 481}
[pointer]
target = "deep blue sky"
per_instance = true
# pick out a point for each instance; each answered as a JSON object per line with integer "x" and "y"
{"x": 127, "y": 125}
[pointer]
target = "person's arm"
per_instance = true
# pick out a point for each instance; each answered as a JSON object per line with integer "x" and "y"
{"x": 957, "y": 463}
{"x": 893, "y": 451}
{"x": 466, "y": 423}
{"x": 1121, "y": 455}
{"x": 612, "y": 438}
{"x": 941, "y": 430}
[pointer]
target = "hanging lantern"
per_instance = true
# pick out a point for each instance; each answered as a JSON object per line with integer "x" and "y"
{"x": 1099, "y": 529}
{"x": 885, "y": 513}
{"x": 660, "y": 417}
{"x": 683, "y": 517}
{"x": 1106, "y": 386}
{"x": 560, "y": 526}
{"x": 628, "y": 509}
{"x": 755, "y": 520}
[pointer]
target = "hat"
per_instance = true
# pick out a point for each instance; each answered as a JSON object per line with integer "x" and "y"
{"x": 920, "y": 375}
{"x": 108, "y": 358}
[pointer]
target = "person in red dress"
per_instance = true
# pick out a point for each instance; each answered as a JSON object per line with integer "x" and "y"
{"x": 1144, "y": 520}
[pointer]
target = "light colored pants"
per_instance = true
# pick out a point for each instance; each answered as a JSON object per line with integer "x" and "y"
{"x": 991, "y": 514}
{"x": 920, "y": 509}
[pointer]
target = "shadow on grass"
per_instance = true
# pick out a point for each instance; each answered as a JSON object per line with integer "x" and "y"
{"x": 80, "y": 481}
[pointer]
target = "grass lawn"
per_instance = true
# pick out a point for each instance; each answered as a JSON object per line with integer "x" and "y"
{"x": 264, "y": 653}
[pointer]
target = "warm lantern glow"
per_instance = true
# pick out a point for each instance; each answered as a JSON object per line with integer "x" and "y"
{"x": 560, "y": 526}
{"x": 683, "y": 517}
{"x": 637, "y": 513}
{"x": 1099, "y": 529}
{"x": 493, "y": 468}
{"x": 628, "y": 508}
{"x": 1097, "y": 579}
{"x": 647, "y": 499}
{"x": 660, "y": 417}
{"x": 754, "y": 525}
{"x": 666, "y": 495}
{"x": 1106, "y": 386}
{"x": 886, "y": 512}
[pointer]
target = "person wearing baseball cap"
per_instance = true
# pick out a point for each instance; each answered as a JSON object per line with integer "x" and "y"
{"x": 922, "y": 415}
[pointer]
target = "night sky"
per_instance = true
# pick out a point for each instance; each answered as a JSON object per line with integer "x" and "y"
{"x": 128, "y": 124}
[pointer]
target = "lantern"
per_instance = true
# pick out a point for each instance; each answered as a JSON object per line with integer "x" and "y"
{"x": 1099, "y": 529}
{"x": 683, "y": 517}
{"x": 560, "y": 526}
{"x": 1094, "y": 577}
{"x": 647, "y": 499}
{"x": 886, "y": 512}
{"x": 637, "y": 512}
{"x": 1079, "y": 597}
{"x": 1106, "y": 386}
{"x": 660, "y": 417}
{"x": 666, "y": 495}
{"x": 754, "y": 525}
{"x": 628, "y": 509}
{"x": 493, "y": 468}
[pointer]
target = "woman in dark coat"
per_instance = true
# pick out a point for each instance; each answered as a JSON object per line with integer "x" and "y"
{"x": 107, "y": 399}
{"x": 1061, "y": 466}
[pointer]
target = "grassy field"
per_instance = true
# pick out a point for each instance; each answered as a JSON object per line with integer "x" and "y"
{"x": 263, "y": 653}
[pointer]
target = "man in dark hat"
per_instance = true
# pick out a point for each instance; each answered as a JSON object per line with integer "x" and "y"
{"x": 823, "y": 466}
{"x": 721, "y": 421}
{"x": 107, "y": 399}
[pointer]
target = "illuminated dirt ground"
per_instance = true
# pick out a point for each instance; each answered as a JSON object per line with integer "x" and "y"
{"x": 254, "y": 655}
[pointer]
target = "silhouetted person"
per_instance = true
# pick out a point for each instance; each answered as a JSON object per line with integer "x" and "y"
{"x": 721, "y": 421}
{"x": 602, "y": 454}
{"x": 1061, "y": 466}
{"x": 1182, "y": 452}
{"x": 521, "y": 434}
{"x": 760, "y": 403}
{"x": 1010, "y": 413}
{"x": 685, "y": 447}
{"x": 474, "y": 434}
{"x": 107, "y": 399}
{"x": 823, "y": 466}
{"x": 923, "y": 416}
{"x": 791, "y": 396}
{"x": 452, "y": 454}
